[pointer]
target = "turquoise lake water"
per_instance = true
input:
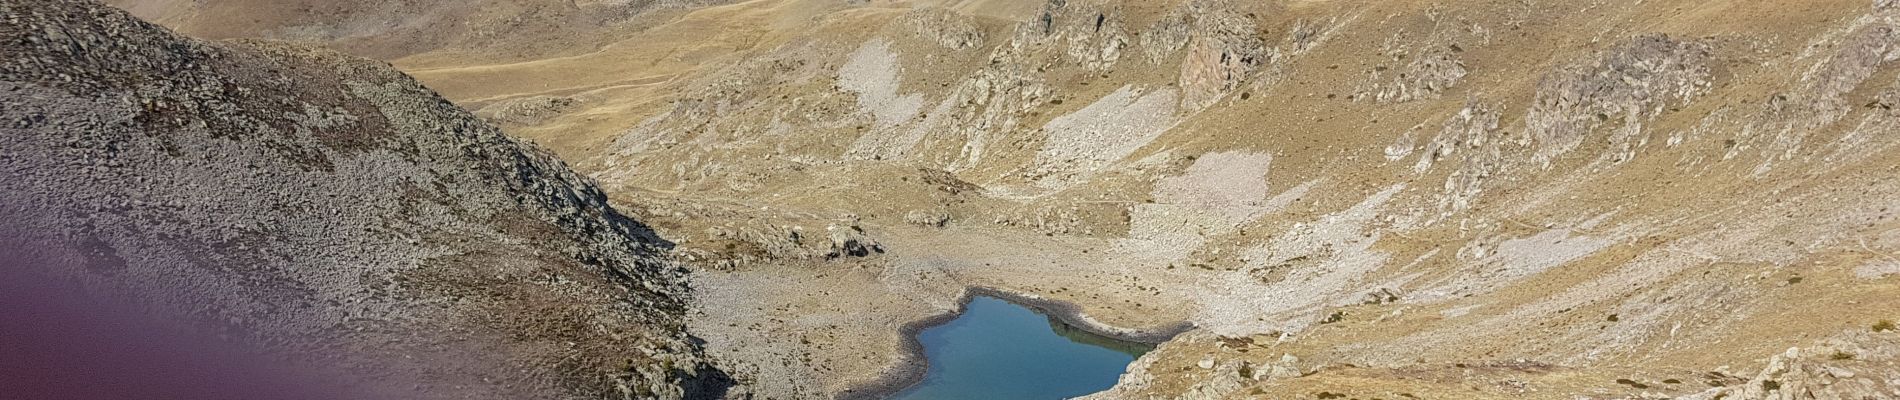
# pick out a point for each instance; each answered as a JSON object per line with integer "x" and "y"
{"x": 1003, "y": 351}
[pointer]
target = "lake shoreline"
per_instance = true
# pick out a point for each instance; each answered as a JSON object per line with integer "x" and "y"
{"x": 911, "y": 369}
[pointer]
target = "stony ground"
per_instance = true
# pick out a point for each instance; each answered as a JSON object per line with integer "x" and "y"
{"x": 1346, "y": 199}
{"x": 328, "y": 210}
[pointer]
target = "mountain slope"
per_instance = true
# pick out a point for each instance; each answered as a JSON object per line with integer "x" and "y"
{"x": 1343, "y": 198}
{"x": 328, "y": 209}
{"x": 394, "y": 29}
{"x": 1567, "y": 194}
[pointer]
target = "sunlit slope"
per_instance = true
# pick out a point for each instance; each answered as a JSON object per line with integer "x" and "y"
{"x": 1484, "y": 199}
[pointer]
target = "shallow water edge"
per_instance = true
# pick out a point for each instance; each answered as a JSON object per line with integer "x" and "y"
{"x": 911, "y": 369}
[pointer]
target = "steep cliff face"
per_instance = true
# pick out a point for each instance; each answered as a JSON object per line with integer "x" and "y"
{"x": 1372, "y": 199}
{"x": 326, "y": 208}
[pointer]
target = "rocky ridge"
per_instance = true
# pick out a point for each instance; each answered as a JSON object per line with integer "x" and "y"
{"x": 330, "y": 209}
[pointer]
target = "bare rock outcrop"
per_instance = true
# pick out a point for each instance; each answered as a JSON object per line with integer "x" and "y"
{"x": 949, "y": 29}
{"x": 1630, "y": 83}
{"x": 1223, "y": 51}
{"x": 1853, "y": 365}
{"x": 849, "y": 240}
{"x": 929, "y": 218}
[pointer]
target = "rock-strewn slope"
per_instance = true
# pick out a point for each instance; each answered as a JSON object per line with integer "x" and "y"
{"x": 1373, "y": 198}
{"x": 1346, "y": 198}
{"x": 327, "y": 208}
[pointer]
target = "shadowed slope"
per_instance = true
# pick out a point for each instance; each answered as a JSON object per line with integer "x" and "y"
{"x": 327, "y": 209}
